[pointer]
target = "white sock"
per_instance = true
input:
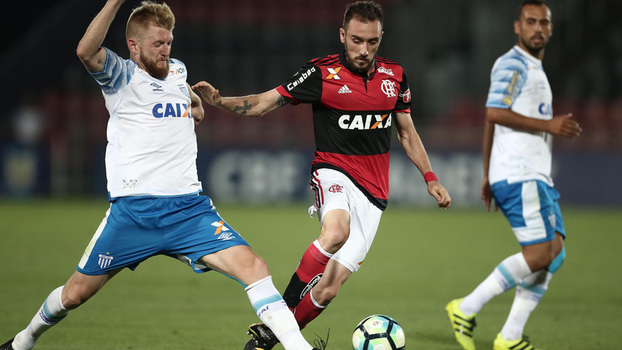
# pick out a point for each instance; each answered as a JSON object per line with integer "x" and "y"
{"x": 506, "y": 275}
{"x": 528, "y": 294}
{"x": 273, "y": 312}
{"x": 49, "y": 314}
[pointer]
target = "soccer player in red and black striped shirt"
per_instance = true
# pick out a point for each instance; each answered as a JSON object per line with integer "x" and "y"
{"x": 356, "y": 98}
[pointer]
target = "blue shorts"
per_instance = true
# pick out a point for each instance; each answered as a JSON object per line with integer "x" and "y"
{"x": 137, "y": 228}
{"x": 532, "y": 209}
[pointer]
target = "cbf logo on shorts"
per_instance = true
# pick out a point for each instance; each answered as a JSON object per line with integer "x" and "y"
{"x": 175, "y": 110}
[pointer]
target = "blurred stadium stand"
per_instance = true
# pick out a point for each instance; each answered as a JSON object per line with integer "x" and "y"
{"x": 446, "y": 46}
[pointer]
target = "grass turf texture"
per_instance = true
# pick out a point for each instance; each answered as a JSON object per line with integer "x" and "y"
{"x": 422, "y": 258}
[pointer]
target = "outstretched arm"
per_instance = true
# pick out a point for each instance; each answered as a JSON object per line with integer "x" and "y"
{"x": 410, "y": 140}
{"x": 247, "y": 106}
{"x": 89, "y": 50}
{"x": 561, "y": 125}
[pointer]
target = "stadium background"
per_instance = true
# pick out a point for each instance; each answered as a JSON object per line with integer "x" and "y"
{"x": 53, "y": 117}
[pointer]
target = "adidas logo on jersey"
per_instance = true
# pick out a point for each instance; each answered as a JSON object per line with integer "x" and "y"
{"x": 344, "y": 90}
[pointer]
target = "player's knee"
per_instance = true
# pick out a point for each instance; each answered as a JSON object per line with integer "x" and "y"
{"x": 333, "y": 239}
{"x": 257, "y": 266}
{"x": 324, "y": 295}
{"x": 541, "y": 261}
{"x": 74, "y": 298}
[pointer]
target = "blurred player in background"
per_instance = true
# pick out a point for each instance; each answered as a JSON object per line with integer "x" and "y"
{"x": 517, "y": 176}
{"x": 356, "y": 98}
{"x": 155, "y": 206}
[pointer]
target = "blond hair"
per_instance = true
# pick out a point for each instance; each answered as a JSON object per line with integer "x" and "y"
{"x": 149, "y": 13}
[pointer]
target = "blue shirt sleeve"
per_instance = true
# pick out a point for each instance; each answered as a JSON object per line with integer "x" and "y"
{"x": 507, "y": 78}
{"x": 116, "y": 73}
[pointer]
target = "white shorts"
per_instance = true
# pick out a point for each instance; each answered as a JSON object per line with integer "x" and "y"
{"x": 334, "y": 190}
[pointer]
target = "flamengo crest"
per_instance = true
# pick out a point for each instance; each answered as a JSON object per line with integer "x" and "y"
{"x": 388, "y": 87}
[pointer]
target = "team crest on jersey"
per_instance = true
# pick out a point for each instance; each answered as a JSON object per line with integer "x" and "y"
{"x": 333, "y": 73}
{"x": 388, "y": 87}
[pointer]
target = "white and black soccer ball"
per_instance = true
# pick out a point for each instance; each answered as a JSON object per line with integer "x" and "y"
{"x": 378, "y": 332}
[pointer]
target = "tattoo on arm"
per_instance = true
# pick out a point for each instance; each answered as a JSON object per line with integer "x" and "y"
{"x": 242, "y": 109}
{"x": 282, "y": 101}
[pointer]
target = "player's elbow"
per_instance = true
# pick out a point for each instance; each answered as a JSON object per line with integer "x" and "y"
{"x": 83, "y": 54}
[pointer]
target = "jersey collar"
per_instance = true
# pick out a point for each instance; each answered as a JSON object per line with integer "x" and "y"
{"x": 528, "y": 56}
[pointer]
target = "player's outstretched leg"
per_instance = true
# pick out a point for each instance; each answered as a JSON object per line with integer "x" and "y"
{"x": 7, "y": 345}
{"x": 462, "y": 324}
{"x": 522, "y": 343}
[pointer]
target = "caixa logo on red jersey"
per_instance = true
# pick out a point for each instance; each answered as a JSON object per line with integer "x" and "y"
{"x": 365, "y": 122}
{"x": 175, "y": 110}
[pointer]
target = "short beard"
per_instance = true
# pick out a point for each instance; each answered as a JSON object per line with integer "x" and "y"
{"x": 152, "y": 68}
{"x": 157, "y": 72}
{"x": 533, "y": 50}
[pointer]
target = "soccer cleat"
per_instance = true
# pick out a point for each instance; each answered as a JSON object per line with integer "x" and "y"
{"x": 262, "y": 338}
{"x": 7, "y": 346}
{"x": 462, "y": 324}
{"x": 518, "y": 344}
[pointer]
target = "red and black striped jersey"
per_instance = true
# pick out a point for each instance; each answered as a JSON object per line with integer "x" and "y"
{"x": 352, "y": 117}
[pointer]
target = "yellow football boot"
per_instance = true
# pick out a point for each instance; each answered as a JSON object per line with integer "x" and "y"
{"x": 462, "y": 324}
{"x": 522, "y": 343}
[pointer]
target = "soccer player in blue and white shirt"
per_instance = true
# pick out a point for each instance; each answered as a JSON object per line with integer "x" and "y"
{"x": 152, "y": 180}
{"x": 517, "y": 175}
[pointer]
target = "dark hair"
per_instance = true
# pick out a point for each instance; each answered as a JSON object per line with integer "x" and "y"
{"x": 366, "y": 11}
{"x": 530, "y": 2}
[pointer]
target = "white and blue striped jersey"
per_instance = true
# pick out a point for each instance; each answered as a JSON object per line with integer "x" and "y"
{"x": 152, "y": 145}
{"x": 518, "y": 82}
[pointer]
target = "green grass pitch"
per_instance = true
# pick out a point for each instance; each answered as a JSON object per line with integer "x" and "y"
{"x": 422, "y": 258}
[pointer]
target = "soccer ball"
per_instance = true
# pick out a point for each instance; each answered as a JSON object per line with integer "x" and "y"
{"x": 378, "y": 332}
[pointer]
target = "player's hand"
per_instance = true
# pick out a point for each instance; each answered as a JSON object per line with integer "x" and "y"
{"x": 486, "y": 195}
{"x": 564, "y": 125}
{"x": 436, "y": 190}
{"x": 210, "y": 94}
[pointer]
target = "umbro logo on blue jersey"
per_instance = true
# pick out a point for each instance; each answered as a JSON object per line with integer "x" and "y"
{"x": 179, "y": 110}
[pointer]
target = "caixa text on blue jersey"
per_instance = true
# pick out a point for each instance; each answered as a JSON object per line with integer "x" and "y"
{"x": 178, "y": 110}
